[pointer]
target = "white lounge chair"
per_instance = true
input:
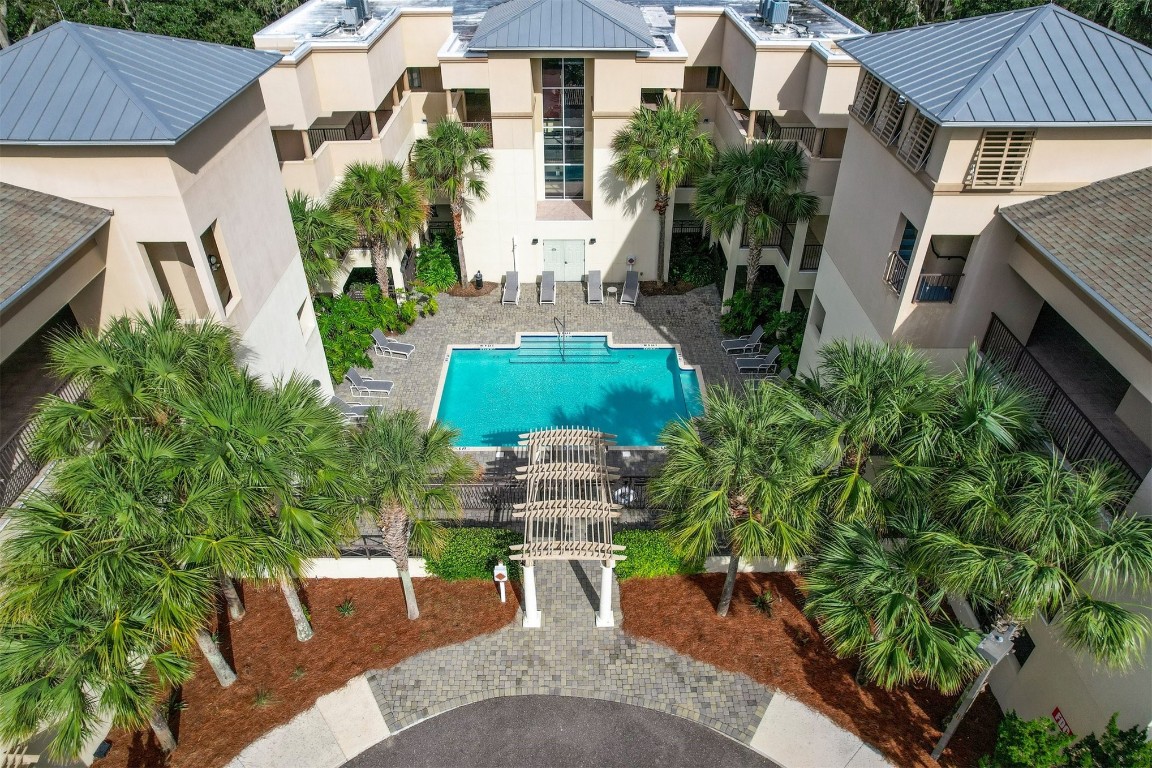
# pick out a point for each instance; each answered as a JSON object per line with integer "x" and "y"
{"x": 595, "y": 287}
{"x": 631, "y": 290}
{"x": 352, "y": 412}
{"x": 747, "y": 345}
{"x": 386, "y": 347}
{"x": 548, "y": 288}
{"x": 760, "y": 365}
{"x": 511, "y": 293}
{"x": 363, "y": 386}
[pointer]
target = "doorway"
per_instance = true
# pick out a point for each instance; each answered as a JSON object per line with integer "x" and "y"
{"x": 565, "y": 258}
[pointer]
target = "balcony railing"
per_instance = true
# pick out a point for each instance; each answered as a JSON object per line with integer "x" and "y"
{"x": 810, "y": 137}
{"x": 359, "y": 127}
{"x": 896, "y": 272}
{"x": 810, "y": 257}
{"x": 687, "y": 227}
{"x": 787, "y": 238}
{"x": 936, "y": 288}
{"x": 18, "y": 467}
{"x": 486, "y": 125}
{"x": 1072, "y": 431}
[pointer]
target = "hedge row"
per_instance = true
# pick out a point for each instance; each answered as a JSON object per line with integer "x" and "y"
{"x": 650, "y": 554}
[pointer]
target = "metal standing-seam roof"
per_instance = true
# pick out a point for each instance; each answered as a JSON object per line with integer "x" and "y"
{"x": 1101, "y": 235}
{"x": 38, "y": 232}
{"x": 563, "y": 25}
{"x": 80, "y": 84}
{"x": 1036, "y": 66}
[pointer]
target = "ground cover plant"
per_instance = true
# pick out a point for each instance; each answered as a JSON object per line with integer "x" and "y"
{"x": 346, "y": 324}
{"x": 650, "y": 553}
{"x": 762, "y": 308}
{"x": 472, "y": 553}
{"x": 435, "y": 267}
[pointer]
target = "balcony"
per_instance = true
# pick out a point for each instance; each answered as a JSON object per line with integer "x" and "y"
{"x": 1101, "y": 437}
{"x": 896, "y": 272}
{"x": 809, "y": 256}
{"x": 341, "y": 126}
{"x": 935, "y": 288}
{"x": 18, "y": 467}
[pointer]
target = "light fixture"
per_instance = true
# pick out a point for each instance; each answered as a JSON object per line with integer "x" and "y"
{"x": 591, "y": 241}
{"x": 535, "y": 241}
{"x": 214, "y": 262}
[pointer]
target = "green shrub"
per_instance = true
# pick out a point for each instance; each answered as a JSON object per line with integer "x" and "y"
{"x": 745, "y": 311}
{"x": 1115, "y": 747}
{"x": 694, "y": 260}
{"x": 471, "y": 553}
{"x": 650, "y": 554}
{"x": 408, "y": 313}
{"x": 1027, "y": 744}
{"x": 435, "y": 268}
{"x": 346, "y": 327}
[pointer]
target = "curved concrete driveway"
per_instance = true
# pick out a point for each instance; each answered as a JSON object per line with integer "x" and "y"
{"x": 556, "y": 732}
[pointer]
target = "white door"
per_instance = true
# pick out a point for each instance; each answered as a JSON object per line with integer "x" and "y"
{"x": 565, "y": 258}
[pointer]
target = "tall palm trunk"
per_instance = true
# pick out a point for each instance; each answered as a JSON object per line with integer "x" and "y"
{"x": 380, "y": 264}
{"x": 232, "y": 597}
{"x": 458, "y": 225}
{"x": 729, "y": 583}
{"x": 216, "y": 660}
{"x": 303, "y": 628}
{"x": 394, "y": 524}
{"x": 661, "y": 210}
{"x": 755, "y": 247}
{"x": 160, "y": 728}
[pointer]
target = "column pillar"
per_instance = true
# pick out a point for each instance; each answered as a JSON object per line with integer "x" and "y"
{"x": 375, "y": 127}
{"x": 751, "y": 134}
{"x": 605, "y": 618}
{"x": 307, "y": 145}
{"x": 532, "y": 616}
{"x": 800, "y": 230}
{"x": 732, "y": 256}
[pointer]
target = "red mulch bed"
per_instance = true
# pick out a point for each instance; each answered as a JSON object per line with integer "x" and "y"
{"x": 469, "y": 289}
{"x": 652, "y": 288}
{"x": 786, "y": 652}
{"x": 217, "y": 723}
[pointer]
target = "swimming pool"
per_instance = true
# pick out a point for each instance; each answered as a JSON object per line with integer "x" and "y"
{"x": 493, "y": 394}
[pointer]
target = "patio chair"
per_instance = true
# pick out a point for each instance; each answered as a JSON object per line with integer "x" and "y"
{"x": 511, "y": 288}
{"x": 352, "y": 412}
{"x": 784, "y": 375}
{"x": 748, "y": 345}
{"x": 386, "y": 347}
{"x": 595, "y": 288}
{"x": 760, "y": 365}
{"x": 363, "y": 386}
{"x": 631, "y": 290}
{"x": 548, "y": 288}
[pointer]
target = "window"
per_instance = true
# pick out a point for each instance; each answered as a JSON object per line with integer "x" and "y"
{"x": 817, "y": 315}
{"x": 898, "y": 261}
{"x": 1000, "y": 159}
{"x": 218, "y": 263}
{"x": 563, "y": 98}
{"x": 867, "y": 93}
{"x": 917, "y": 141}
{"x": 1023, "y": 646}
{"x": 889, "y": 117}
{"x": 415, "y": 82}
{"x": 306, "y": 319}
{"x": 652, "y": 97}
{"x": 713, "y": 77}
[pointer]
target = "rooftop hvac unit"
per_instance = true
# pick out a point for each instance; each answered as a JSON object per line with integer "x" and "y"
{"x": 774, "y": 11}
{"x": 350, "y": 17}
{"x": 359, "y": 6}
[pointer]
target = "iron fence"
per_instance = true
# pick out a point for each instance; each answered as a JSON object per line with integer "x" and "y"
{"x": 18, "y": 467}
{"x": 1071, "y": 430}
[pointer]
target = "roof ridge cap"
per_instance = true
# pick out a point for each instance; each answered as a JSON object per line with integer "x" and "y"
{"x": 527, "y": 7}
{"x": 589, "y": 4}
{"x": 74, "y": 30}
{"x": 1036, "y": 15}
{"x": 1062, "y": 11}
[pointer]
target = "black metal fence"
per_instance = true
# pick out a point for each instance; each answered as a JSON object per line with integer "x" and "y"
{"x": 810, "y": 257}
{"x": 18, "y": 467}
{"x": 936, "y": 288}
{"x": 896, "y": 271}
{"x": 1071, "y": 430}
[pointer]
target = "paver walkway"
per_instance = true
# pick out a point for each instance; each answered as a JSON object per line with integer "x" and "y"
{"x": 569, "y": 657}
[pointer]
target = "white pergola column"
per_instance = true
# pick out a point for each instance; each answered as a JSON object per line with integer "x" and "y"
{"x": 605, "y": 618}
{"x": 532, "y": 616}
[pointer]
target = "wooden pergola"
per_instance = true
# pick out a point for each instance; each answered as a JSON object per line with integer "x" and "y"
{"x": 568, "y": 510}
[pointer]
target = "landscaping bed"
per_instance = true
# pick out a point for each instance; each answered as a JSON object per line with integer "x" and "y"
{"x": 786, "y": 652}
{"x": 469, "y": 290}
{"x": 670, "y": 288}
{"x": 281, "y": 677}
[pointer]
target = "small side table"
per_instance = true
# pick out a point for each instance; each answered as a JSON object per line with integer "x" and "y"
{"x": 611, "y": 292}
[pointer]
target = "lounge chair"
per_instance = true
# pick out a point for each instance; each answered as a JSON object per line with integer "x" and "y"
{"x": 595, "y": 287}
{"x": 511, "y": 288}
{"x": 748, "y": 345}
{"x": 784, "y": 375}
{"x": 352, "y": 412}
{"x": 386, "y": 347}
{"x": 631, "y": 290}
{"x": 760, "y": 365}
{"x": 363, "y": 386}
{"x": 548, "y": 288}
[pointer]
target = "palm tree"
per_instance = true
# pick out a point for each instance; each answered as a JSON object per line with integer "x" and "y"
{"x": 737, "y": 475}
{"x": 758, "y": 187}
{"x": 389, "y": 209}
{"x": 666, "y": 145}
{"x": 451, "y": 161}
{"x": 874, "y": 600}
{"x": 407, "y": 474}
{"x": 323, "y": 237}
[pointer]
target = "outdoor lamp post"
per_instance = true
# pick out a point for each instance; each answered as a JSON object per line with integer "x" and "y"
{"x": 478, "y": 280}
{"x": 995, "y": 646}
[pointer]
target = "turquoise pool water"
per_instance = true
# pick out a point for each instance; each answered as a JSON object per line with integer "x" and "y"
{"x": 494, "y": 395}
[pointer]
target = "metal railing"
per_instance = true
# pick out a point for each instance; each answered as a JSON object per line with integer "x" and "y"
{"x": 933, "y": 287}
{"x": 486, "y": 125}
{"x": 896, "y": 271}
{"x": 18, "y": 467}
{"x": 810, "y": 137}
{"x": 359, "y": 127}
{"x": 810, "y": 257}
{"x": 1071, "y": 430}
{"x": 787, "y": 239}
{"x": 687, "y": 227}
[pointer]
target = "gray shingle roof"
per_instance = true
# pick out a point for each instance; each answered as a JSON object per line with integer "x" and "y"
{"x": 75, "y": 83}
{"x": 1035, "y": 66}
{"x": 36, "y": 232}
{"x": 559, "y": 25}
{"x": 1101, "y": 234}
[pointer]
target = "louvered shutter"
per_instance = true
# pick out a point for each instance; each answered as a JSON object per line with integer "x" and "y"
{"x": 867, "y": 91}
{"x": 917, "y": 141}
{"x": 888, "y": 117}
{"x": 1000, "y": 159}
